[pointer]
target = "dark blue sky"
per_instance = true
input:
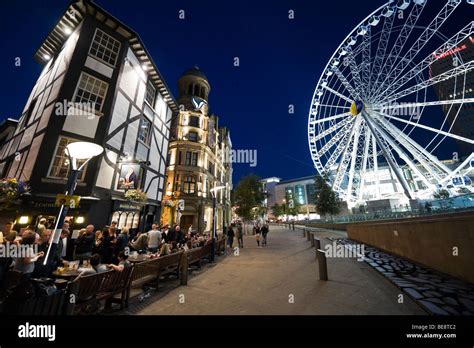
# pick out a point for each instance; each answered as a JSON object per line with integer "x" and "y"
{"x": 280, "y": 61}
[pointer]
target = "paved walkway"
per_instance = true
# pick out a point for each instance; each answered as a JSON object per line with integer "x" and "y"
{"x": 283, "y": 279}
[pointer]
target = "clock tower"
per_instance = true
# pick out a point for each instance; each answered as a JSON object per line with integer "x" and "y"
{"x": 193, "y": 89}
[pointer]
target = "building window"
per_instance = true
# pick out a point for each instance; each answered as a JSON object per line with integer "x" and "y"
{"x": 191, "y": 159}
{"x": 189, "y": 184}
{"x": 211, "y": 168}
{"x": 194, "y": 121}
{"x": 105, "y": 48}
{"x": 192, "y": 136}
{"x": 179, "y": 157}
{"x": 29, "y": 113}
{"x": 91, "y": 92}
{"x": 150, "y": 94}
{"x": 60, "y": 166}
{"x": 144, "y": 132}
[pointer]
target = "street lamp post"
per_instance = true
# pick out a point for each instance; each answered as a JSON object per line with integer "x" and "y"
{"x": 75, "y": 151}
{"x": 214, "y": 215}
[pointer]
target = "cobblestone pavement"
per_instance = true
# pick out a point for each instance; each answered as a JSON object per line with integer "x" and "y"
{"x": 437, "y": 292}
{"x": 283, "y": 279}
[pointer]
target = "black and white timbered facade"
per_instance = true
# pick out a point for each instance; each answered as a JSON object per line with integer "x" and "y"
{"x": 100, "y": 85}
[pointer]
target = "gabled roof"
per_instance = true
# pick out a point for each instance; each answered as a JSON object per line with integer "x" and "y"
{"x": 75, "y": 13}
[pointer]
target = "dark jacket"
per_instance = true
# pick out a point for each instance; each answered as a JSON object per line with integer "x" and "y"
{"x": 171, "y": 237}
{"x": 84, "y": 244}
{"x": 122, "y": 242}
{"x": 230, "y": 233}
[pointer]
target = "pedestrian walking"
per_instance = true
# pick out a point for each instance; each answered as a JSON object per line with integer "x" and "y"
{"x": 264, "y": 231}
{"x": 230, "y": 236}
{"x": 240, "y": 235}
{"x": 257, "y": 235}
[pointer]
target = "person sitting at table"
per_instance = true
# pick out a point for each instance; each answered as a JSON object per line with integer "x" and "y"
{"x": 164, "y": 249}
{"x": 141, "y": 243}
{"x": 123, "y": 262}
{"x": 174, "y": 247}
{"x": 105, "y": 249}
{"x": 96, "y": 266}
{"x": 96, "y": 245}
{"x": 122, "y": 240}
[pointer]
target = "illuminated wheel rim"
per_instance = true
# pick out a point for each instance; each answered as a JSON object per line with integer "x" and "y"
{"x": 375, "y": 101}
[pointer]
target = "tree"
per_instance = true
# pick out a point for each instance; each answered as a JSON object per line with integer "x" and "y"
{"x": 327, "y": 201}
{"x": 278, "y": 210}
{"x": 248, "y": 195}
{"x": 441, "y": 194}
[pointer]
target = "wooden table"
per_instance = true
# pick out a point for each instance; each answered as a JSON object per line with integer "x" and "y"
{"x": 139, "y": 258}
{"x": 67, "y": 273}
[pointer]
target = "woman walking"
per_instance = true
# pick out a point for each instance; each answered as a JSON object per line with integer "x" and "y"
{"x": 257, "y": 234}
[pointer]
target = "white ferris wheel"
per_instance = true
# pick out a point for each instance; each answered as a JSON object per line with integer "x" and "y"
{"x": 396, "y": 89}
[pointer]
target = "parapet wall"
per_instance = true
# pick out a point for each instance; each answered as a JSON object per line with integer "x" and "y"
{"x": 432, "y": 241}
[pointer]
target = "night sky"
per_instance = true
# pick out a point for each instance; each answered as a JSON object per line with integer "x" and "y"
{"x": 280, "y": 62}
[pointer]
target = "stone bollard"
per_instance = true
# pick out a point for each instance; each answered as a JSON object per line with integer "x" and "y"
{"x": 317, "y": 243}
{"x": 308, "y": 235}
{"x": 312, "y": 239}
{"x": 293, "y": 225}
{"x": 323, "y": 267}
{"x": 183, "y": 272}
{"x": 304, "y": 231}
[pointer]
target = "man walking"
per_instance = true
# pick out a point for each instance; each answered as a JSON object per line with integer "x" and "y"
{"x": 264, "y": 231}
{"x": 230, "y": 236}
{"x": 240, "y": 235}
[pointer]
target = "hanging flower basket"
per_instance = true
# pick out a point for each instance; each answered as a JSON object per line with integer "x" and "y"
{"x": 11, "y": 191}
{"x": 136, "y": 196}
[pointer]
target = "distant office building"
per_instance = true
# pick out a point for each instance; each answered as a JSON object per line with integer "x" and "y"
{"x": 453, "y": 88}
{"x": 99, "y": 84}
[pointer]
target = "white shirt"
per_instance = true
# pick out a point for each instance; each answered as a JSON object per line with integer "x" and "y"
{"x": 63, "y": 252}
{"x": 154, "y": 238}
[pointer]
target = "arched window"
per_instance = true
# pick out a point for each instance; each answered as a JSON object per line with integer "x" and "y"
{"x": 189, "y": 184}
{"x": 190, "y": 89}
{"x": 196, "y": 90}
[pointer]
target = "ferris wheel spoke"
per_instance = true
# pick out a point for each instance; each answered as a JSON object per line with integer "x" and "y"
{"x": 340, "y": 95}
{"x": 434, "y": 167}
{"x": 382, "y": 46}
{"x": 430, "y": 173}
{"x": 375, "y": 164}
{"x": 355, "y": 71}
{"x": 346, "y": 83}
{"x": 454, "y": 136}
{"x": 383, "y": 139}
{"x": 333, "y": 128}
{"x": 424, "y": 38}
{"x": 385, "y": 107}
{"x": 336, "y": 153}
{"x": 333, "y": 140}
{"x": 459, "y": 70}
{"x": 365, "y": 163}
{"x": 448, "y": 114}
{"x": 399, "y": 45}
{"x": 449, "y": 45}
{"x": 365, "y": 65}
{"x": 331, "y": 118}
{"x": 344, "y": 162}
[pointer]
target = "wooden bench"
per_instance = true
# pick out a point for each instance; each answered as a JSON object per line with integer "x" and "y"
{"x": 169, "y": 264}
{"x": 150, "y": 271}
{"x": 196, "y": 255}
{"x": 91, "y": 289}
